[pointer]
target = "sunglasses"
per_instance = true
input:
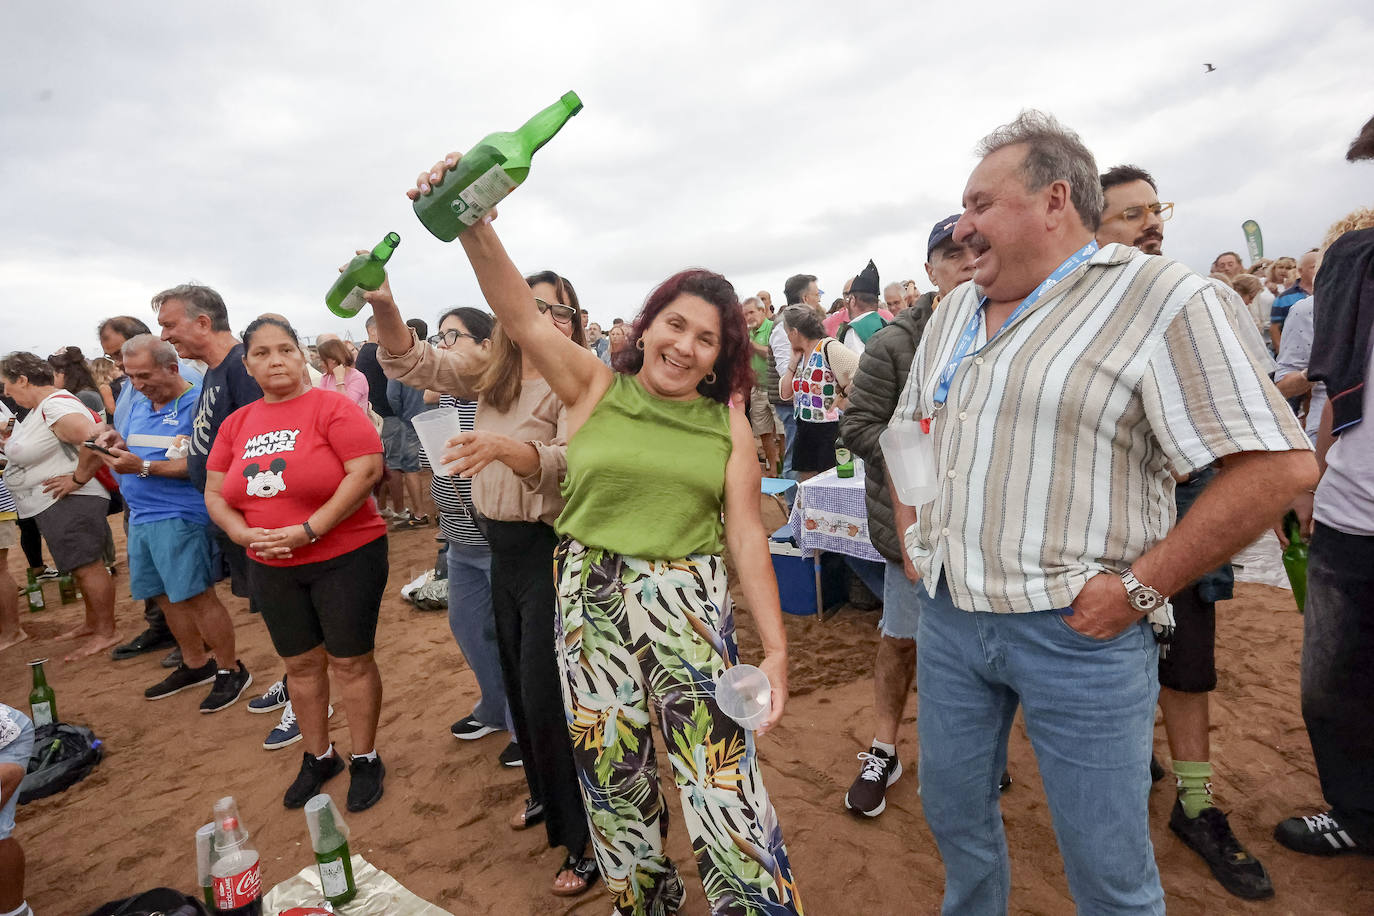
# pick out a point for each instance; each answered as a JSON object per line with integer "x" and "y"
{"x": 562, "y": 314}
{"x": 450, "y": 337}
{"x": 1136, "y": 214}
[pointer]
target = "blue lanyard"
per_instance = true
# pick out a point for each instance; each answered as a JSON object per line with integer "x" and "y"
{"x": 965, "y": 342}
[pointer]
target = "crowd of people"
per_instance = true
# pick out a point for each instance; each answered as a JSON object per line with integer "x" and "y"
{"x": 1106, "y": 427}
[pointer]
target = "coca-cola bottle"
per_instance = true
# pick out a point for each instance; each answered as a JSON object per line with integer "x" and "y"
{"x": 234, "y": 870}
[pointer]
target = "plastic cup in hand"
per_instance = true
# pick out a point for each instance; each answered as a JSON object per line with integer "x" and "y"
{"x": 744, "y": 694}
{"x": 435, "y": 427}
{"x": 909, "y": 455}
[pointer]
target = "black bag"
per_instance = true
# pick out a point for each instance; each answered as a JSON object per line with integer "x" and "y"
{"x": 49, "y": 771}
{"x": 160, "y": 901}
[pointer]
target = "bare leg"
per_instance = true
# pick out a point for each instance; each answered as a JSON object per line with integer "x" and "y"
{"x": 1186, "y": 720}
{"x": 770, "y": 451}
{"x": 361, "y": 685}
{"x": 11, "y": 874}
{"x": 10, "y": 631}
{"x": 893, "y": 670}
{"x": 395, "y": 488}
{"x": 310, "y": 697}
{"x": 413, "y": 494}
{"x": 212, "y": 619}
{"x": 100, "y": 620}
{"x": 181, "y": 620}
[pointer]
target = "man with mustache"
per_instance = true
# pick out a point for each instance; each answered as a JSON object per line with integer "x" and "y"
{"x": 1057, "y": 389}
{"x": 1132, "y": 215}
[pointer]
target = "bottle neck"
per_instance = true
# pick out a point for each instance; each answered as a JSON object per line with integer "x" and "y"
{"x": 541, "y": 128}
{"x": 39, "y": 678}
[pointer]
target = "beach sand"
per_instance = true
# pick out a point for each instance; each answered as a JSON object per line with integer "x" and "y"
{"x": 441, "y": 828}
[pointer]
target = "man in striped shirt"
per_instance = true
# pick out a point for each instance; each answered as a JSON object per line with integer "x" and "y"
{"x": 1064, "y": 385}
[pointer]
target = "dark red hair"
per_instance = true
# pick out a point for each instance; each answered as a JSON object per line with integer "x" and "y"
{"x": 733, "y": 372}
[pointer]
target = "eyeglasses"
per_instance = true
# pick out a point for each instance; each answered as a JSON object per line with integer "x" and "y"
{"x": 1136, "y": 214}
{"x": 563, "y": 314}
{"x": 450, "y": 337}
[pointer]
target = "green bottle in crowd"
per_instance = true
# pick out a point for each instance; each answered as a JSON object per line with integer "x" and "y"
{"x": 329, "y": 839}
{"x": 1295, "y": 559}
{"x": 33, "y": 591}
{"x": 363, "y": 274}
{"x": 66, "y": 588}
{"x": 844, "y": 459}
{"x": 42, "y": 700}
{"x": 489, "y": 171}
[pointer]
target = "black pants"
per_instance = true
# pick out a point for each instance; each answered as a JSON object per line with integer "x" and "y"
{"x": 1337, "y": 675}
{"x": 524, "y": 600}
{"x": 31, "y": 542}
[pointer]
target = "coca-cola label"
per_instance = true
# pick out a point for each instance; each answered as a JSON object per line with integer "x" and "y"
{"x": 238, "y": 890}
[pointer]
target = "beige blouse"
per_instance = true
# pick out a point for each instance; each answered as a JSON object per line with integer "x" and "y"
{"x": 536, "y": 417}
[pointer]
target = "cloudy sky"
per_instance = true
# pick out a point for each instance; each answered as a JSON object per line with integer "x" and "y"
{"x": 253, "y": 146}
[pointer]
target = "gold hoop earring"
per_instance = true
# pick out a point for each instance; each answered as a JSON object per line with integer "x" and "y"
{"x": 639, "y": 344}
{"x": 710, "y": 377}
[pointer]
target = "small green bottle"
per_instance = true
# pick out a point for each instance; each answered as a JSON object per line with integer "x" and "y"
{"x": 66, "y": 587}
{"x": 1295, "y": 559}
{"x": 42, "y": 700}
{"x": 844, "y": 459}
{"x": 497, "y": 165}
{"x": 33, "y": 591}
{"x": 329, "y": 839}
{"x": 363, "y": 274}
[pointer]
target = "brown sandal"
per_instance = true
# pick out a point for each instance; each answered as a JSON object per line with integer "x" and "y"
{"x": 527, "y": 817}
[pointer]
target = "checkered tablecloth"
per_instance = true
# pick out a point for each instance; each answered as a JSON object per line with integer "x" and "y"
{"x": 829, "y": 514}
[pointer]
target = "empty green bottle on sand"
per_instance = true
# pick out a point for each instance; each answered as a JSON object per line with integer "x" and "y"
{"x": 1295, "y": 559}
{"x": 363, "y": 274}
{"x": 329, "y": 839}
{"x": 489, "y": 171}
{"x": 66, "y": 588}
{"x": 33, "y": 591}
{"x": 42, "y": 700}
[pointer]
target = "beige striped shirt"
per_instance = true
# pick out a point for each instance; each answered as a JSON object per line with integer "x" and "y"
{"x": 1055, "y": 446}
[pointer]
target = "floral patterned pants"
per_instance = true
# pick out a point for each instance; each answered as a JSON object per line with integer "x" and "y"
{"x": 633, "y": 633}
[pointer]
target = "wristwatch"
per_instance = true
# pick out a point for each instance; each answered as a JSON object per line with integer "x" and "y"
{"x": 147, "y": 467}
{"x": 1143, "y": 598}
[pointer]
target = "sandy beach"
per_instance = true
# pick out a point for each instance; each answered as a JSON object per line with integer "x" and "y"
{"x": 441, "y": 828}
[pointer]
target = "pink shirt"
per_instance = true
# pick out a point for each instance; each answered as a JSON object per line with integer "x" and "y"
{"x": 354, "y": 386}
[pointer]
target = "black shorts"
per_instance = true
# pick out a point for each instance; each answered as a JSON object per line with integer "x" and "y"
{"x": 334, "y": 601}
{"x": 236, "y": 559}
{"x": 1189, "y": 663}
{"x": 815, "y": 448}
{"x": 75, "y": 529}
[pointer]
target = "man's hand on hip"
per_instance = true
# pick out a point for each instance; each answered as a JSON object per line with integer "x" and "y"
{"x": 1102, "y": 609}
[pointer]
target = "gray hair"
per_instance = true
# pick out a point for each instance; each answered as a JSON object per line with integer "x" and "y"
{"x": 1054, "y": 153}
{"x": 199, "y": 300}
{"x": 744, "y": 303}
{"x": 892, "y": 286}
{"x": 804, "y": 321}
{"x": 164, "y": 354}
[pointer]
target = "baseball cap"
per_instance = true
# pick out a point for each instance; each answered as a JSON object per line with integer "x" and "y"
{"x": 942, "y": 230}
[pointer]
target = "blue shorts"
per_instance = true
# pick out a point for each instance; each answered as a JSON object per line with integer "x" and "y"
{"x": 400, "y": 446}
{"x": 902, "y": 601}
{"x": 17, "y": 752}
{"x": 172, "y": 557}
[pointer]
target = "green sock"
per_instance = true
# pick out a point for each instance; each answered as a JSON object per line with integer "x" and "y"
{"x": 1194, "y": 785}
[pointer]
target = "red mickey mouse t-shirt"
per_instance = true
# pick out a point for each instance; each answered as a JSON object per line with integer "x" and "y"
{"x": 283, "y": 460}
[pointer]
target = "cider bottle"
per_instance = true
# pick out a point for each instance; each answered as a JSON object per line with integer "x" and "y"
{"x": 844, "y": 459}
{"x": 329, "y": 839}
{"x": 363, "y": 274}
{"x": 42, "y": 700}
{"x": 33, "y": 591}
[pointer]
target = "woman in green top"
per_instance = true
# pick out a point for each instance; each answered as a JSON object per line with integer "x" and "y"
{"x": 655, "y": 456}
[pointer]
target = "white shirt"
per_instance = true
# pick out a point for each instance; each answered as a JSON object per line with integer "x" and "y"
{"x": 1295, "y": 351}
{"x": 35, "y": 454}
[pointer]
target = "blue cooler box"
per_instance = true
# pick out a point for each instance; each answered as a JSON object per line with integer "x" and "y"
{"x": 796, "y": 575}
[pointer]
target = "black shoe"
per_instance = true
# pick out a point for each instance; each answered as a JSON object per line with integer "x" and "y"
{"x": 1209, "y": 835}
{"x": 511, "y": 756}
{"x": 172, "y": 658}
{"x": 315, "y": 772}
{"x": 1317, "y": 835}
{"x": 365, "y": 782}
{"x": 1004, "y": 783}
{"x": 1156, "y": 771}
{"x": 149, "y": 640}
{"x": 470, "y": 728}
{"x": 180, "y": 679}
{"x": 868, "y": 794}
{"x": 229, "y": 686}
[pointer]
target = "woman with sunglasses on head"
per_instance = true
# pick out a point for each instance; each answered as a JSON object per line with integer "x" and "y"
{"x": 515, "y": 456}
{"x": 654, "y": 458}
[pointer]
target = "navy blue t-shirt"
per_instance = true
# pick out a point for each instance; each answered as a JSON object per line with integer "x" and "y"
{"x": 366, "y": 363}
{"x": 225, "y": 389}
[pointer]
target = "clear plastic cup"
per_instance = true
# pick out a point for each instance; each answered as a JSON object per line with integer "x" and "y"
{"x": 744, "y": 694}
{"x": 435, "y": 427}
{"x": 909, "y": 455}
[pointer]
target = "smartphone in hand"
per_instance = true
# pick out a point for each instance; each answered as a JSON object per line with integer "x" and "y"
{"x": 91, "y": 444}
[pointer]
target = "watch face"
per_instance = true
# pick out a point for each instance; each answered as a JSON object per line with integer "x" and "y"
{"x": 1144, "y": 599}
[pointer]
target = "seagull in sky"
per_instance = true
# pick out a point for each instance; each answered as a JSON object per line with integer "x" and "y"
{"x": 1209, "y": 67}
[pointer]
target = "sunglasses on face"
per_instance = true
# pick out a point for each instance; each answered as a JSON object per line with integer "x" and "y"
{"x": 450, "y": 337}
{"x": 562, "y": 314}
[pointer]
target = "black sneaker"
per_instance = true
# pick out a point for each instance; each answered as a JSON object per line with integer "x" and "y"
{"x": 1004, "y": 781}
{"x": 868, "y": 794}
{"x": 172, "y": 659}
{"x": 149, "y": 640}
{"x": 470, "y": 728}
{"x": 511, "y": 756}
{"x": 364, "y": 782}
{"x": 180, "y": 679}
{"x": 1156, "y": 771}
{"x": 315, "y": 772}
{"x": 229, "y": 686}
{"x": 1317, "y": 835}
{"x": 1209, "y": 835}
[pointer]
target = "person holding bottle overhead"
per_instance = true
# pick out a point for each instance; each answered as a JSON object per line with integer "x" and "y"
{"x": 644, "y": 612}
{"x": 515, "y": 457}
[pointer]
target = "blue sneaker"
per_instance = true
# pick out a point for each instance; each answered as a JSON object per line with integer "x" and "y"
{"x": 288, "y": 731}
{"x": 275, "y": 698}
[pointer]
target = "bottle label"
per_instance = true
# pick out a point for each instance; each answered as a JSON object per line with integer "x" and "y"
{"x": 353, "y": 303}
{"x": 332, "y": 878}
{"x": 36, "y": 598}
{"x": 238, "y": 890}
{"x": 42, "y": 714}
{"x": 842, "y": 456}
{"x": 477, "y": 199}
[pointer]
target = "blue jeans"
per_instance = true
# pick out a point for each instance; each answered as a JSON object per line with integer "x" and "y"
{"x": 470, "y": 618}
{"x": 1089, "y": 708}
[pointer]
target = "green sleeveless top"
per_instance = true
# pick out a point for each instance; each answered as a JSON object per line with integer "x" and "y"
{"x": 646, "y": 476}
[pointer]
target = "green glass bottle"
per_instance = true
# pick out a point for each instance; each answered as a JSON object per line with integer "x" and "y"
{"x": 489, "y": 171}
{"x": 66, "y": 587}
{"x": 1295, "y": 559}
{"x": 33, "y": 591}
{"x": 364, "y": 273}
{"x": 844, "y": 459}
{"x": 329, "y": 839}
{"x": 42, "y": 700}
